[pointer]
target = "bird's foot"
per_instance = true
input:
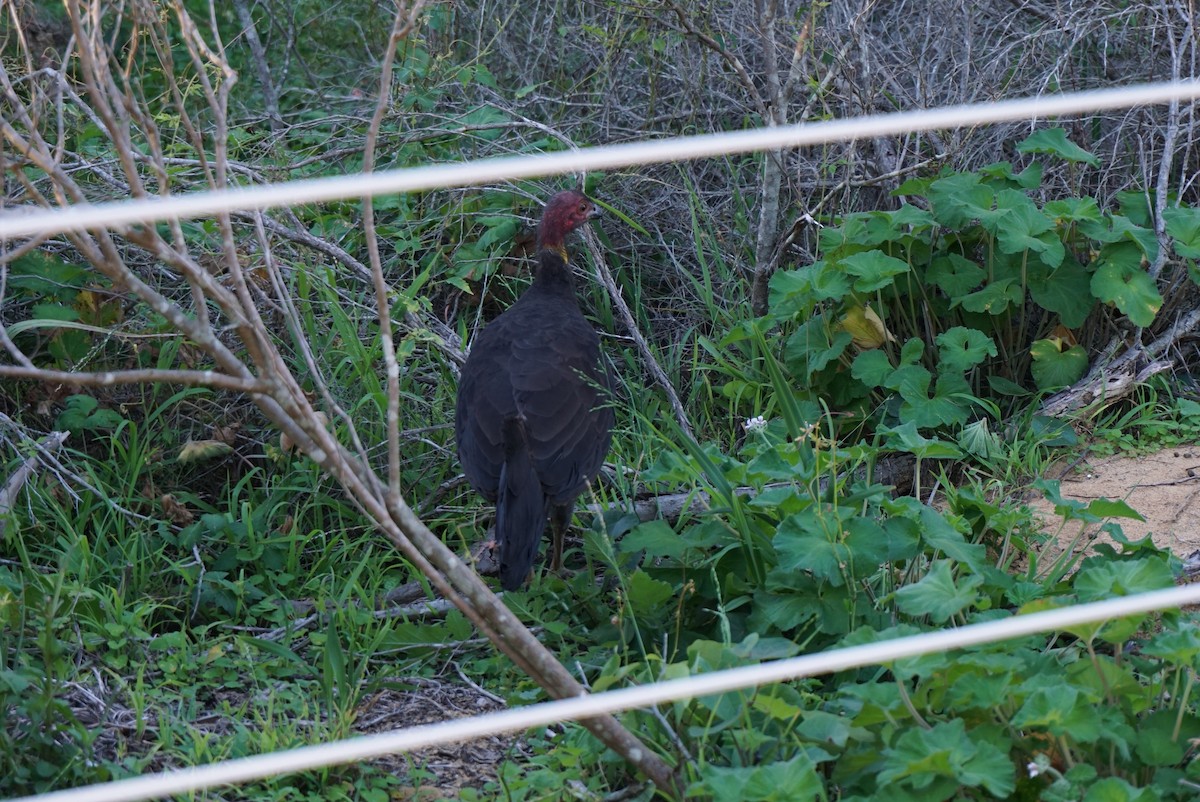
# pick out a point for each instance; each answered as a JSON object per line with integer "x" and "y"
{"x": 486, "y": 556}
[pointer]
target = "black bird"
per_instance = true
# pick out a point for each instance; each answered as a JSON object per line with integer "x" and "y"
{"x": 532, "y": 421}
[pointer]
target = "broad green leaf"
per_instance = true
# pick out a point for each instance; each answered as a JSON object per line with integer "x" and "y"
{"x": 1065, "y": 290}
{"x": 1059, "y": 709}
{"x": 1073, "y": 210}
{"x": 1100, "y": 578}
{"x": 647, "y": 594}
{"x": 824, "y": 728}
{"x": 656, "y": 538}
{"x": 1054, "y": 142}
{"x": 944, "y": 407}
{"x": 1029, "y": 178}
{"x": 1130, "y": 288}
{"x": 794, "y": 292}
{"x": 959, "y": 199}
{"x": 960, "y": 349}
{"x": 872, "y": 270}
{"x": 979, "y": 440}
{"x": 1187, "y": 408}
{"x": 946, "y": 752}
{"x": 914, "y": 217}
{"x": 1113, "y": 508}
{"x": 1183, "y": 224}
{"x": 1164, "y": 736}
{"x": 1022, "y": 226}
{"x": 794, "y": 779}
{"x": 1115, "y": 789}
{"x": 862, "y": 228}
{"x": 810, "y": 348}
{"x": 955, "y": 275}
{"x": 1115, "y": 229}
{"x": 869, "y": 545}
{"x": 993, "y": 299}
{"x": 937, "y": 595}
{"x": 872, "y": 368}
{"x": 906, "y": 438}
{"x": 940, "y": 534}
{"x": 1178, "y": 644}
{"x": 1135, "y": 204}
{"x": 812, "y": 541}
{"x": 1053, "y": 368}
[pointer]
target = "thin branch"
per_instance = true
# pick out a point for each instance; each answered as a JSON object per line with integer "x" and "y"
{"x": 651, "y": 363}
{"x": 186, "y": 378}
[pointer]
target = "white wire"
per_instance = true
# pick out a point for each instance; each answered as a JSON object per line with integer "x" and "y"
{"x": 14, "y": 223}
{"x": 522, "y": 718}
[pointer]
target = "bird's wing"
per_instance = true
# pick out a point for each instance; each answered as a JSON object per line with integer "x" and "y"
{"x": 562, "y": 392}
{"x": 485, "y": 402}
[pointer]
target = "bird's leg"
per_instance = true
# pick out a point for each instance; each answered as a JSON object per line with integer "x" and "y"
{"x": 560, "y": 518}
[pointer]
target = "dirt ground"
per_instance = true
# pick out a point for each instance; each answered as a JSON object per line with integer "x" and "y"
{"x": 1164, "y": 487}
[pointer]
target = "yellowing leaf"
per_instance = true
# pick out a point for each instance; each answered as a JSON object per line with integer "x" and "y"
{"x": 196, "y": 450}
{"x": 865, "y": 328}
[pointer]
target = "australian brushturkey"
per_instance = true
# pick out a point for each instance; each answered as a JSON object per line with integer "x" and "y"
{"x": 532, "y": 420}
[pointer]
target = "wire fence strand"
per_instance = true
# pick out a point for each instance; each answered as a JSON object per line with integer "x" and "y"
{"x": 16, "y": 223}
{"x": 155, "y": 786}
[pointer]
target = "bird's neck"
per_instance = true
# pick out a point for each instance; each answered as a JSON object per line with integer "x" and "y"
{"x": 553, "y": 273}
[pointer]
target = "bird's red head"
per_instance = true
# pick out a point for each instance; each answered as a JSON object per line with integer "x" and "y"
{"x": 564, "y": 213}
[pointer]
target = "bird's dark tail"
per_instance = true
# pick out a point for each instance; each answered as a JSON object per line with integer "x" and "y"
{"x": 520, "y": 509}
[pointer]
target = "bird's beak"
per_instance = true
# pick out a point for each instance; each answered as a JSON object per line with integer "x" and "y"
{"x": 595, "y": 212}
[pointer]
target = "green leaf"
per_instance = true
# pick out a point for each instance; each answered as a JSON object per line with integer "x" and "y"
{"x": 1114, "y": 789}
{"x": 1183, "y": 224}
{"x": 906, "y": 438}
{"x": 936, "y": 594}
{"x": 774, "y": 782}
{"x": 1130, "y": 288}
{"x": 1065, "y": 290}
{"x": 961, "y": 349}
{"x": 1022, "y": 227}
{"x": 993, "y": 299}
{"x": 1113, "y": 508}
{"x": 872, "y": 368}
{"x": 938, "y": 533}
{"x": 1164, "y": 736}
{"x": 872, "y": 270}
{"x": 960, "y": 199}
{"x": 913, "y": 217}
{"x": 1073, "y": 210}
{"x": 946, "y": 752}
{"x": 1059, "y": 709}
{"x": 812, "y": 541}
{"x": 1180, "y": 644}
{"x": 1054, "y": 142}
{"x": 647, "y": 594}
{"x": 955, "y": 275}
{"x": 810, "y": 348}
{"x": 1116, "y": 229}
{"x": 792, "y": 292}
{"x": 656, "y": 538}
{"x": 979, "y": 440}
{"x": 1101, "y": 578}
{"x": 1053, "y": 368}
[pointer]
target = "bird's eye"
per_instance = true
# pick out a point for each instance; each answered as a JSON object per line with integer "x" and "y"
{"x": 583, "y": 208}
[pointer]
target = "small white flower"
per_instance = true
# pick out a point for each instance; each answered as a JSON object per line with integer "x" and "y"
{"x": 1033, "y": 768}
{"x": 755, "y": 424}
